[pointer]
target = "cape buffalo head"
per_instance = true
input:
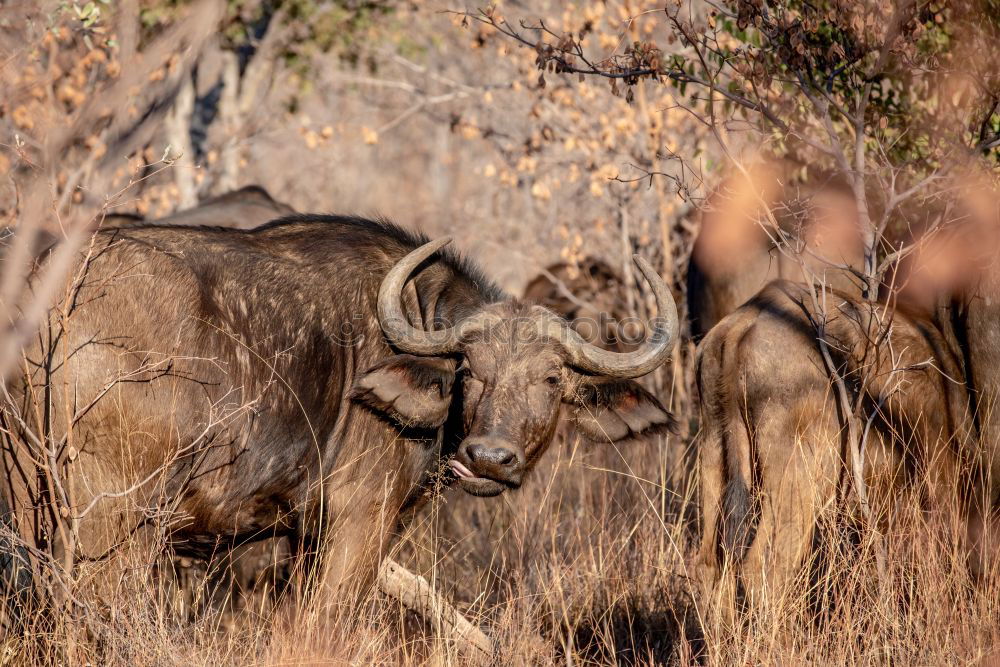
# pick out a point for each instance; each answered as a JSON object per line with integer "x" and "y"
{"x": 507, "y": 368}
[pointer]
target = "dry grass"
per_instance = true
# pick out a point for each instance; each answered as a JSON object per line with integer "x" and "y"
{"x": 588, "y": 564}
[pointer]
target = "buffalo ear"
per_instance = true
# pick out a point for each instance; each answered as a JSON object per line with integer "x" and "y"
{"x": 413, "y": 391}
{"x": 614, "y": 410}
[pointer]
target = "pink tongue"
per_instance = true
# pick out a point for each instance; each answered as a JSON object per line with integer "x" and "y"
{"x": 461, "y": 470}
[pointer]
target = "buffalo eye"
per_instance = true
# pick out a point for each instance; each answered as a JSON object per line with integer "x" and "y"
{"x": 552, "y": 380}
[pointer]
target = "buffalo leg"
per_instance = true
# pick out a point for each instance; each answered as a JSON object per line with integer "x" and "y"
{"x": 798, "y": 462}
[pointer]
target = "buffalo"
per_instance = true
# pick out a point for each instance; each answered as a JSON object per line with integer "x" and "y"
{"x": 244, "y": 208}
{"x": 774, "y": 454}
{"x": 968, "y": 313}
{"x": 773, "y": 450}
{"x": 316, "y": 377}
{"x": 773, "y": 446}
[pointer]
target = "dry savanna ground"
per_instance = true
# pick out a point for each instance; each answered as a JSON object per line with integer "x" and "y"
{"x": 589, "y": 563}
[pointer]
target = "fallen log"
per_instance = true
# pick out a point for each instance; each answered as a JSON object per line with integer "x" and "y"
{"x": 416, "y": 593}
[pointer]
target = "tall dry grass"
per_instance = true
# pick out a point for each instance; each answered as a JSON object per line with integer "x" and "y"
{"x": 589, "y": 563}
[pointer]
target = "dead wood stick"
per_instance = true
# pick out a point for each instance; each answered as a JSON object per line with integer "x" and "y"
{"x": 415, "y": 593}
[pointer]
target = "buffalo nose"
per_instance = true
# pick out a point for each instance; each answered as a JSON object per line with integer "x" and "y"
{"x": 491, "y": 455}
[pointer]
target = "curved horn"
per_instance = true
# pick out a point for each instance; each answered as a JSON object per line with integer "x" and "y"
{"x": 393, "y": 320}
{"x": 654, "y": 352}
